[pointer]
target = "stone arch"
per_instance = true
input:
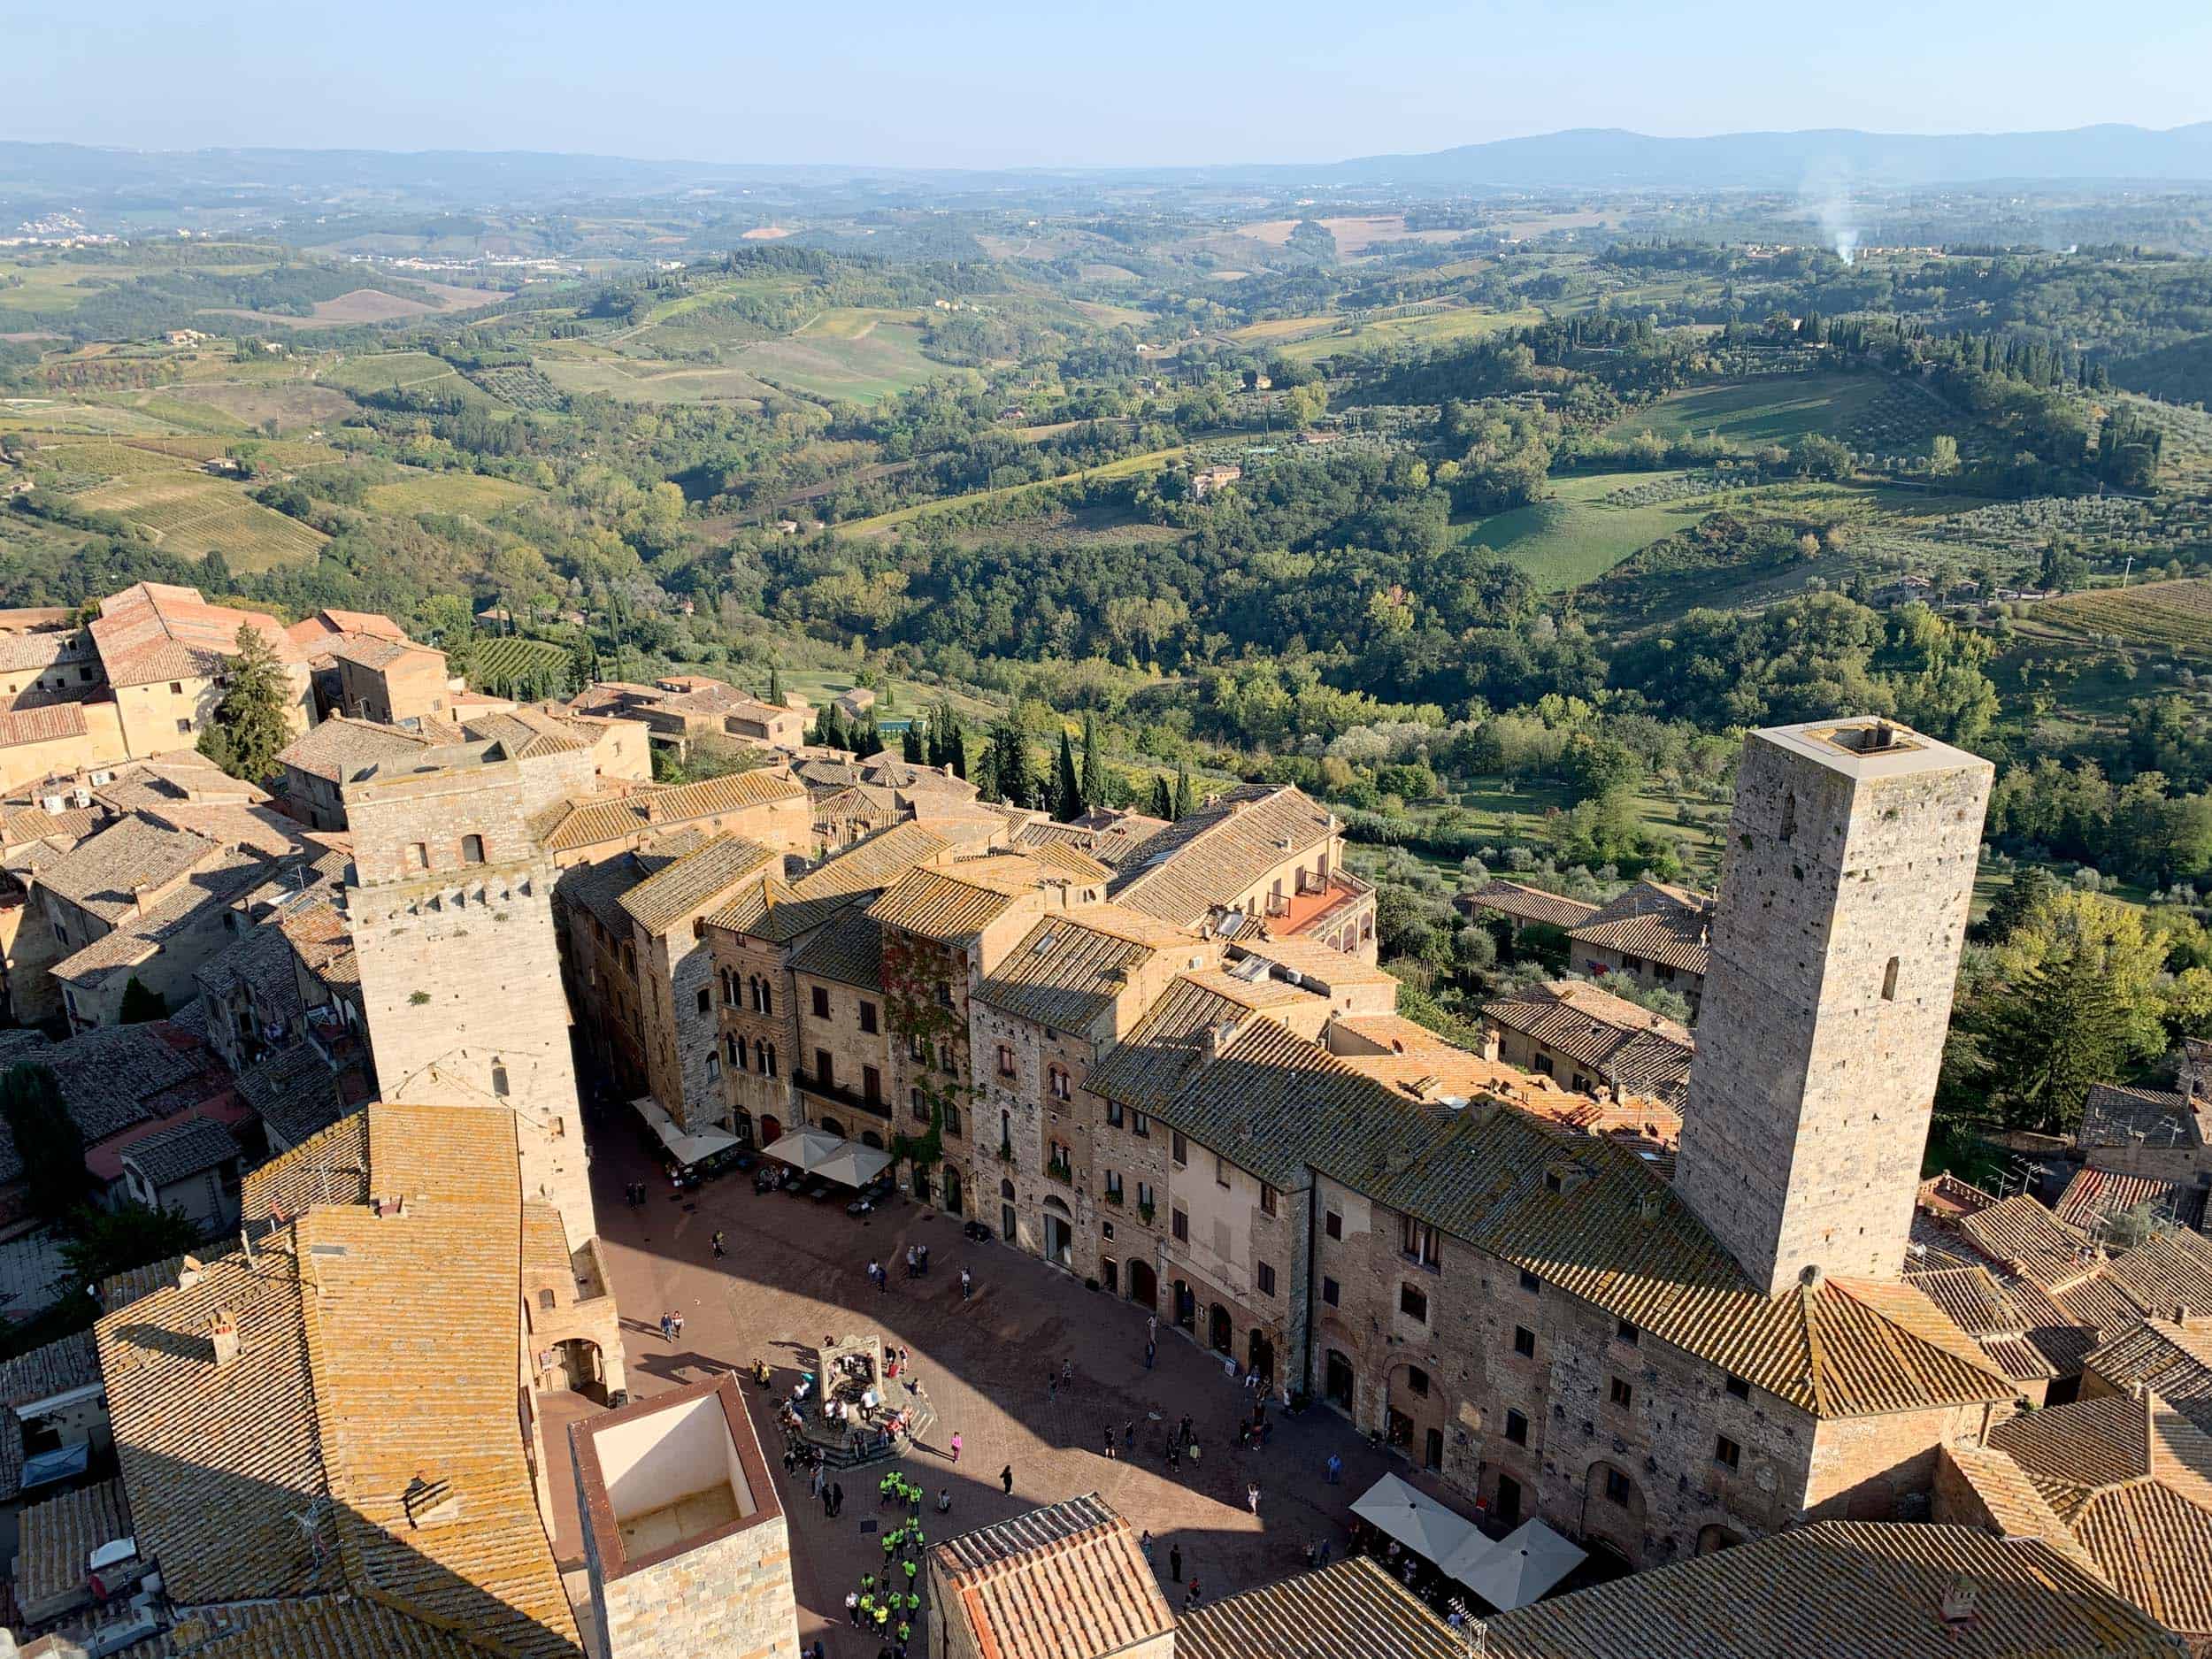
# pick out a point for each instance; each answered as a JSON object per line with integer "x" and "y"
{"x": 1613, "y": 1509}
{"x": 1712, "y": 1539}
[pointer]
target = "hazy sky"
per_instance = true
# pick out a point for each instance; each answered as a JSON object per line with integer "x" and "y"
{"x": 1059, "y": 82}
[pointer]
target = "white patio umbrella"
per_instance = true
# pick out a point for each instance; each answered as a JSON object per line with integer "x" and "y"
{"x": 808, "y": 1148}
{"x": 1415, "y": 1519}
{"x": 1517, "y": 1572}
{"x": 853, "y": 1164}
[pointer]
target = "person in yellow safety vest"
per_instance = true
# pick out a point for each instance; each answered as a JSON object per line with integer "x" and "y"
{"x": 883, "y": 1619}
{"x": 909, "y": 1571}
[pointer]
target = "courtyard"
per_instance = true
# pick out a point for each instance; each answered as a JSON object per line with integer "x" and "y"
{"x": 796, "y": 1272}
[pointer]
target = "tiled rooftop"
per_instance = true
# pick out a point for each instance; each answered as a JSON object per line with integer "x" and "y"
{"x": 182, "y": 1150}
{"x": 699, "y": 877}
{"x": 2172, "y": 1360}
{"x": 1351, "y": 1609}
{"x": 1062, "y": 1582}
{"x": 1525, "y": 903}
{"x": 848, "y": 950}
{"x": 1069, "y": 969}
{"x": 337, "y": 747}
{"x": 153, "y": 632}
{"x": 1658, "y": 923}
{"x": 1209, "y": 858}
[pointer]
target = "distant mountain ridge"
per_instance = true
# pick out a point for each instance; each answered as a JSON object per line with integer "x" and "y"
{"x": 1579, "y": 158}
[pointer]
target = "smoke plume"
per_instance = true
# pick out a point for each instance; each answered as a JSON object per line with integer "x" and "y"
{"x": 1827, "y": 198}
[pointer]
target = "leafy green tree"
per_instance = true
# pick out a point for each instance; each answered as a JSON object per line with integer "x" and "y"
{"x": 2020, "y": 898}
{"x": 109, "y": 1241}
{"x": 1943, "y": 454}
{"x": 47, "y": 1139}
{"x": 1067, "y": 787}
{"x": 250, "y": 726}
{"x": 143, "y": 1002}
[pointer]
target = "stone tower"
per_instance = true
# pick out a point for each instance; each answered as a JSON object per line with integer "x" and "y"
{"x": 1843, "y": 905}
{"x": 451, "y": 908}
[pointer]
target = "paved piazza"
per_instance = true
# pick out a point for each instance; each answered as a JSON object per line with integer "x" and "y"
{"x": 796, "y": 1272}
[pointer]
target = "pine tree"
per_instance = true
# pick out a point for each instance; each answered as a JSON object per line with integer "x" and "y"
{"x": 251, "y": 724}
{"x": 2019, "y": 900}
{"x": 1094, "y": 766}
{"x": 867, "y": 738}
{"x": 1067, "y": 788}
{"x": 1183, "y": 804}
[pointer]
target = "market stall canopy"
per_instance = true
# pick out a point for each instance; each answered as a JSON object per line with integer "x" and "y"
{"x": 687, "y": 1148}
{"x": 806, "y": 1149}
{"x": 1415, "y": 1520}
{"x": 1517, "y": 1572}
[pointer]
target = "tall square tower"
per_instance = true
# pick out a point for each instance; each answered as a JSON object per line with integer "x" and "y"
{"x": 1844, "y": 896}
{"x": 451, "y": 913}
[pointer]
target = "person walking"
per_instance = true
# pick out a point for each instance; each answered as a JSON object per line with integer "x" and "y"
{"x": 1175, "y": 1564}
{"x": 1151, "y": 1353}
{"x": 852, "y": 1608}
{"x": 837, "y": 1499}
{"x": 1152, "y": 1327}
{"x": 719, "y": 1250}
{"x": 1067, "y": 1375}
{"x": 967, "y": 1284}
{"x": 1144, "y": 1544}
{"x": 1336, "y": 1469}
{"x": 1129, "y": 1438}
{"x": 1190, "y": 1597}
{"x": 1110, "y": 1442}
{"x": 680, "y": 1325}
{"x": 1252, "y": 1499}
{"x": 1052, "y": 1385}
{"x": 668, "y": 1327}
{"x": 955, "y": 1447}
{"x": 944, "y": 1499}
{"x": 1006, "y": 1480}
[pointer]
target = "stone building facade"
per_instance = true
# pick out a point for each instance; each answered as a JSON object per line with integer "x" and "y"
{"x": 1844, "y": 899}
{"x": 451, "y": 908}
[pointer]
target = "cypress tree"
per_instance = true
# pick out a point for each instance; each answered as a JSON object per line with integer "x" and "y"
{"x": 1067, "y": 789}
{"x": 914, "y": 747}
{"x": 775, "y": 684}
{"x": 1183, "y": 806}
{"x": 1094, "y": 767}
{"x": 1162, "y": 798}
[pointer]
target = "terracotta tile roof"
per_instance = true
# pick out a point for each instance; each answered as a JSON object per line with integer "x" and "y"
{"x": 376, "y": 653}
{"x": 957, "y": 900}
{"x": 137, "y": 939}
{"x": 2167, "y": 1270}
{"x": 1109, "y": 836}
{"x": 314, "y": 1419}
{"x": 698, "y": 879}
{"x": 182, "y": 1150}
{"x": 1944, "y": 1195}
{"x": 1064, "y": 1582}
{"x": 2132, "y": 1478}
{"x": 329, "y": 1167}
{"x": 1070, "y": 968}
{"x": 152, "y": 632}
{"x": 2028, "y": 1240}
{"x": 58, "y": 1536}
{"x": 50, "y": 724}
{"x": 1312, "y": 959}
{"x": 1525, "y": 903}
{"x": 844, "y": 809}
{"x": 260, "y": 964}
{"x": 1212, "y": 857}
{"x": 40, "y": 651}
{"x": 2173, "y": 1360}
{"x": 1656, "y": 922}
{"x": 2014, "y": 1504}
{"x": 850, "y": 951}
{"x": 2113, "y": 1116}
{"x": 1842, "y": 1590}
{"x": 1631, "y": 1049}
{"x": 53, "y": 1368}
{"x": 137, "y": 851}
{"x": 1351, "y": 1609}
{"x": 323, "y": 942}
{"x": 112, "y": 1076}
{"x": 525, "y": 733}
{"x": 572, "y": 826}
{"x": 2093, "y": 1197}
{"x": 339, "y": 747}
{"x": 1147, "y": 1069}
{"x": 293, "y": 1091}
{"x": 1977, "y": 1304}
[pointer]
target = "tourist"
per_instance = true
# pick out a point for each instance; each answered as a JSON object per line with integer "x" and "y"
{"x": 944, "y": 1499}
{"x": 954, "y": 1445}
{"x": 1175, "y": 1564}
{"x": 852, "y": 1608}
{"x": 717, "y": 1242}
{"x": 837, "y": 1499}
{"x": 1151, "y": 1353}
{"x": 1190, "y": 1597}
{"x": 1067, "y": 1375}
{"x": 1336, "y": 1469}
{"x": 680, "y": 1325}
{"x": 1129, "y": 1437}
{"x": 967, "y": 1284}
{"x": 668, "y": 1327}
{"x": 1152, "y": 1327}
{"x": 1144, "y": 1544}
{"x": 1110, "y": 1442}
{"x": 1252, "y": 1500}
{"x": 921, "y": 1259}
{"x": 1006, "y": 1480}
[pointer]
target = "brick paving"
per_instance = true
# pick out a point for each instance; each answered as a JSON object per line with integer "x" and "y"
{"x": 795, "y": 1271}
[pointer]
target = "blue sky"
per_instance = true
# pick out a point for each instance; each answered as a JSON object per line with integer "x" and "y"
{"x": 1056, "y": 82}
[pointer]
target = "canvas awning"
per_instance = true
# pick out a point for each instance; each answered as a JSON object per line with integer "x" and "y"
{"x": 1415, "y": 1519}
{"x": 685, "y": 1147}
{"x": 1518, "y": 1570}
{"x": 834, "y": 1158}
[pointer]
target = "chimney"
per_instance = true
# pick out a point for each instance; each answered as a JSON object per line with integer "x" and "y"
{"x": 187, "y": 1272}
{"x": 2181, "y": 1313}
{"x": 1490, "y": 1043}
{"x": 1217, "y": 1037}
{"x": 139, "y": 890}
{"x": 1648, "y": 1206}
{"x": 223, "y": 1334}
{"x": 1961, "y": 1597}
{"x": 652, "y": 811}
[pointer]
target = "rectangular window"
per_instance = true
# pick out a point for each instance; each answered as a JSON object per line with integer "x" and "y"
{"x": 1179, "y": 1224}
{"x": 872, "y": 1086}
{"x": 1523, "y": 1341}
{"x": 1738, "y": 1388}
{"x": 1332, "y": 1223}
{"x": 1413, "y": 1302}
{"x": 1113, "y": 1186}
{"x": 1005, "y": 1060}
{"x": 868, "y": 1017}
{"x": 1417, "y": 1382}
{"x": 1221, "y": 1170}
{"x": 706, "y": 1000}
{"x": 1628, "y": 1333}
{"x": 1267, "y": 1199}
{"x": 952, "y": 1120}
{"x": 1179, "y": 1150}
{"x": 1530, "y": 1282}
{"x": 824, "y": 1068}
{"x": 1417, "y": 1242}
{"x": 1517, "y": 1428}
{"x": 1727, "y": 1454}
{"x": 1144, "y": 1195}
{"x": 821, "y": 1001}
{"x": 1621, "y": 1394}
{"x": 1113, "y": 1114}
{"x": 1617, "y": 1487}
{"x": 1331, "y": 1292}
{"x": 1141, "y": 1125}
{"x": 1264, "y": 1273}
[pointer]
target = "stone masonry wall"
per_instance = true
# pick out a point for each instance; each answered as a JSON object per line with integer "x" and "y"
{"x": 731, "y": 1599}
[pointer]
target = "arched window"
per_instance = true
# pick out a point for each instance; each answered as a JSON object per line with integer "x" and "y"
{"x": 767, "y": 997}
{"x": 1006, "y": 1189}
{"x": 770, "y": 1068}
{"x": 736, "y": 1050}
{"x": 471, "y": 850}
{"x": 1058, "y": 1076}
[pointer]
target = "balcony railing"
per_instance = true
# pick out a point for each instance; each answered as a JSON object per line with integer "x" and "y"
{"x": 838, "y": 1094}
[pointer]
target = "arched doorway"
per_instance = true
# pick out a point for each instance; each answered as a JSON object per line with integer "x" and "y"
{"x": 1612, "y": 1510}
{"x": 1185, "y": 1307}
{"x": 1006, "y": 1219}
{"x": 831, "y": 1126}
{"x": 1338, "y": 1381}
{"x": 770, "y": 1132}
{"x": 1059, "y": 1234}
{"x": 870, "y": 1138}
{"x": 1144, "y": 1284}
{"x": 920, "y": 1184}
{"x": 582, "y": 1368}
{"x": 741, "y": 1125}
{"x": 1219, "y": 1336}
{"x": 1262, "y": 1356}
{"x": 955, "y": 1204}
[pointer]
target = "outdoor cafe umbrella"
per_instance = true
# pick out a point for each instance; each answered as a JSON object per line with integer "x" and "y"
{"x": 853, "y": 1164}
{"x": 1415, "y": 1519}
{"x": 1517, "y": 1572}
{"x": 808, "y": 1148}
